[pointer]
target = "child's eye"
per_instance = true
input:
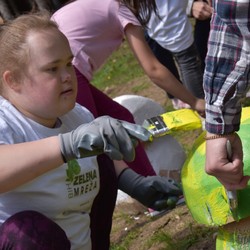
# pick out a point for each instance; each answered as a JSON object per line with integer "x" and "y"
{"x": 52, "y": 69}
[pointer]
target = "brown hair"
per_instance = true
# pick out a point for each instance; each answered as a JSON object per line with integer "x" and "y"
{"x": 142, "y": 9}
{"x": 14, "y": 51}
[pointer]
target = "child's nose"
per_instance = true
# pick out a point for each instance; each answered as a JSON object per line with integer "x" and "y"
{"x": 66, "y": 76}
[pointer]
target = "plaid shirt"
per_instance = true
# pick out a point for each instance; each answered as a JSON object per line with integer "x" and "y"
{"x": 227, "y": 73}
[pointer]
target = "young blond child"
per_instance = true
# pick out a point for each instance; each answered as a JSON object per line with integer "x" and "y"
{"x": 48, "y": 144}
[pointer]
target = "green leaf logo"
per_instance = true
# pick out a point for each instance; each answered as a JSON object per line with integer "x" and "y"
{"x": 73, "y": 170}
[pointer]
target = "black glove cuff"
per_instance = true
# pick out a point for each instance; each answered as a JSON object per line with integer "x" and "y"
{"x": 118, "y": 178}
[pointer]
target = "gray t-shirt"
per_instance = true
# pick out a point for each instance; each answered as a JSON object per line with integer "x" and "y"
{"x": 64, "y": 194}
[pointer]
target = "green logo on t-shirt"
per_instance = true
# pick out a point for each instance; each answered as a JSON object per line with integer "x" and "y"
{"x": 80, "y": 183}
{"x": 73, "y": 170}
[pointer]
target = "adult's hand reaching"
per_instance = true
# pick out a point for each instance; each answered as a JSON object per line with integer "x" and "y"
{"x": 228, "y": 172}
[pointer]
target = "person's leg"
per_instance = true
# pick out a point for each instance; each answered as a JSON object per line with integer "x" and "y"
{"x": 84, "y": 94}
{"x": 31, "y": 230}
{"x": 190, "y": 68}
{"x": 104, "y": 205}
{"x": 102, "y": 210}
{"x": 201, "y": 33}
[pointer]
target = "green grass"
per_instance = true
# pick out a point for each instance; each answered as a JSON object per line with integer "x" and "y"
{"x": 120, "y": 68}
{"x": 169, "y": 243}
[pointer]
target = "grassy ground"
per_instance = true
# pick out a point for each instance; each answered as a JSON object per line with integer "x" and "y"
{"x": 118, "y": 70}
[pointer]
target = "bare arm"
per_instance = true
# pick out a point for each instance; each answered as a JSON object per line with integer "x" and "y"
{"x": 157, "y": 72}
{"x": 32, "y": 159}
{"x": 24, "y": 162}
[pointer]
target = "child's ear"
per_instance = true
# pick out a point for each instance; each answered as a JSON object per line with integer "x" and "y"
{"x": 10, "y": 80}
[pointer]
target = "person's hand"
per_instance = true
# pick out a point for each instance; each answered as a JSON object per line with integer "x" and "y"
{"x": 199, "y": 106}
{"x": 202, "y": 10}
{"x": 113, "y": 137}
{"x": 228, "y": 172}
{"x": 155, "y": 192}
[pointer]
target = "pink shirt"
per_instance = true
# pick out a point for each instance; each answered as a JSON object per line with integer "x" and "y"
{"x": 94, "y": 28}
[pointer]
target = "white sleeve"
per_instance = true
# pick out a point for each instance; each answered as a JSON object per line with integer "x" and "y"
{"x": 189, "y": 8}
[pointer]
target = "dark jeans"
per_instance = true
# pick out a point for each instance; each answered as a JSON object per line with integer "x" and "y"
{"x": 190, "y": 69}
{"x": 201, "y": 33}
{"x": 189, "y": 66}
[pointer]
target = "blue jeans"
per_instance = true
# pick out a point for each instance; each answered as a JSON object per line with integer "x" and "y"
{"x": 188, "y": 62}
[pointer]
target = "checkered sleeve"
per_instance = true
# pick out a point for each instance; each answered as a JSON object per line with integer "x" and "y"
{"x": 227, "y": 77}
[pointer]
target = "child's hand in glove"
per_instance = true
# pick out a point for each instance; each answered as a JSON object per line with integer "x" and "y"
{"x": 107, "y": 135}
{"x": 155, "y": 192}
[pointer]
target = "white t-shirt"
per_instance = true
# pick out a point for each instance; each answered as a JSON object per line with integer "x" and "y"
{"x": 173, "y": 31}
{"x": 64, "y": 194}
{"x": 94, "y": 28}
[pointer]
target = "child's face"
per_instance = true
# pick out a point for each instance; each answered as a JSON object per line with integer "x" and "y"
{"x": 49, "y": 87}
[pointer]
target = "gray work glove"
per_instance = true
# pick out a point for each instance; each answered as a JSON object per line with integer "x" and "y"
{"x": 107, "y": 135}
{"x": 155, "y": 192}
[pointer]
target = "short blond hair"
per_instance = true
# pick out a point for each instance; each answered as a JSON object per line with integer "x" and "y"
{"x": 14, "y": 50}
